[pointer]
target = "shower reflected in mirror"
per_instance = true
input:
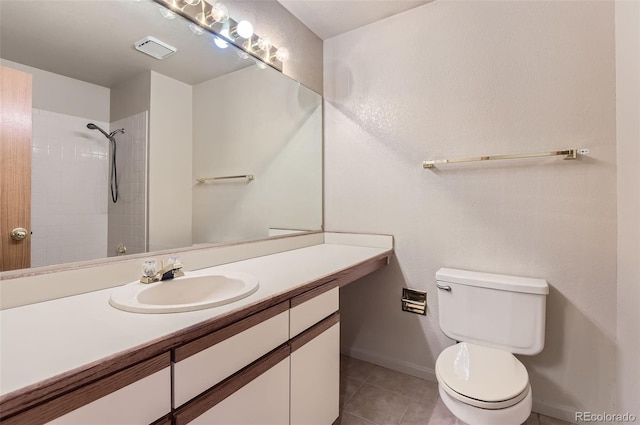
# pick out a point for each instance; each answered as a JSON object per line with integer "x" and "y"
{"x": 114, "y": 165}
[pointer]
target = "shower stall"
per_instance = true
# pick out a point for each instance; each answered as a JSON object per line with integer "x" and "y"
{"x": 88, "y": 193}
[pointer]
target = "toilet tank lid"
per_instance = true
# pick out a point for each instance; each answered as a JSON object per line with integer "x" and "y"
{"x": 493, "y": 281}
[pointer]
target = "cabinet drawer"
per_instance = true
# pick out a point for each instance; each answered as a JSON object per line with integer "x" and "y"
{"x": 205, "y": 362}
{"x": 311, "y": 307}
{"x": 139, "y": 394}
{"x": 258, "y": 394}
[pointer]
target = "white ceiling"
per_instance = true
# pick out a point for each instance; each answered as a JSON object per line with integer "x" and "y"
{"x": 328, "y": 18}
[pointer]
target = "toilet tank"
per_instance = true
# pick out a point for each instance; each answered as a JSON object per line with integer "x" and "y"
{"x": 492, "y": 310}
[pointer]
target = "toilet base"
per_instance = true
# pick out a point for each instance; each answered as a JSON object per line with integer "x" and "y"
{"x": 512, "y": 415}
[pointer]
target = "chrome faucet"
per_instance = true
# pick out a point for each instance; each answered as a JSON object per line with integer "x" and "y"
{"x": 172, "y": 269}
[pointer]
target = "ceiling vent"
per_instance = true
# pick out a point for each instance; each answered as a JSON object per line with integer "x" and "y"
{"x": 154, "y": 47}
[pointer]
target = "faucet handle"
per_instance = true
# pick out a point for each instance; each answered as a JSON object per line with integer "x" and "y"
{"x": 149, "y": 268}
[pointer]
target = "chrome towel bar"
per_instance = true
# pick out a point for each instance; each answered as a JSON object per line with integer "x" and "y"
{"x": 568, "y": 154}
{"x": 247, "y": 177}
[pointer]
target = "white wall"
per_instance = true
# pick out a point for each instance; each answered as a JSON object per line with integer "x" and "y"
{"x": 254, "y": 121}
{"x": 457, "y": 79}
{"x": 627, "y": 17}
{"x": 52, "y": 92}
{"x": 170, "y": 149}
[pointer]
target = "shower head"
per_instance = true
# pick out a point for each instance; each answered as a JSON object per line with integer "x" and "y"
{"x": 92, "y": 126}
{"x": 114, "y": 132}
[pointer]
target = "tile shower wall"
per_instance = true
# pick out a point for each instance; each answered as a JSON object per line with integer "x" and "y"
{"x": 467, "y": 78}
{"x": 69, "y": 174}
{"x": 127, "y": 217}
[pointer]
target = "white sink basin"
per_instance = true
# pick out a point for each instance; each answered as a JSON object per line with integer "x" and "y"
{"x": 187, "y": 293}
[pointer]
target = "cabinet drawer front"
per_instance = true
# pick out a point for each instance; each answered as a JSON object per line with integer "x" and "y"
{"x": 142, "y": 402}
{"x": 203, "y": 370}
{"x": 311, "y": 311}
{"x": 115, "y": 399}
{"x": 264, "y": 401}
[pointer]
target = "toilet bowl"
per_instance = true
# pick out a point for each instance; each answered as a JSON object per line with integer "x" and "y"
{"x": 483, "y": 386}
{"x": 491, "y": 317}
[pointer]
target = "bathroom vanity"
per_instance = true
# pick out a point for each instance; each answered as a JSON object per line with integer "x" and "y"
{"x": 269, "y": 358}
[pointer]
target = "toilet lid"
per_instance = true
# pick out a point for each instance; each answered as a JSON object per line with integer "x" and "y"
{"x": 483, "y": 374}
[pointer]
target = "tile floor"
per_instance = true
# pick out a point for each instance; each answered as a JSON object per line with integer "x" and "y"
{"x": 374, "y": 395}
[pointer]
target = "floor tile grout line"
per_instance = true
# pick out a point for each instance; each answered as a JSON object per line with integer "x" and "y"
{"x": 404, "y": 413}
{"x": 410, "y": 398}
{"x": 364, "y": 419}
{"x": 353, "y": 395}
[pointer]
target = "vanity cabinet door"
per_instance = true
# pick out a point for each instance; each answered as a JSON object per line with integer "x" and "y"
{"x": 205, "y": 362}
{"x": 315, "y": 374}
{"x": 259, "y": 394}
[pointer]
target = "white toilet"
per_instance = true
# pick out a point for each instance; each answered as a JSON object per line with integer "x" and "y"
{"x": 491, "y": 316}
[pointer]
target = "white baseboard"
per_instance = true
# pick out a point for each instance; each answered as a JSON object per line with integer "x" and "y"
{"x": 565, "y": 413}
{"x": 394, "y": 364}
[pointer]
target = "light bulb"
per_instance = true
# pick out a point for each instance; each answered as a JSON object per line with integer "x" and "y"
{"x": 261, "y": 64}
{"x": 282, "y": 54}
{"x": 196, "y": 29}
{"x": 220, "y": 42}
{"x": 192, "y": 2}
{"x": 242, "y": 55}
{"x": 166, "y": 13}
{"x": 244, "y": 29}
{"x": 264, "y": 44}
{"x": 220, "y": 13}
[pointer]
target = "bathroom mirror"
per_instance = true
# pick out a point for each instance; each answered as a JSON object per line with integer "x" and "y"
{"x": 216, "y": 147}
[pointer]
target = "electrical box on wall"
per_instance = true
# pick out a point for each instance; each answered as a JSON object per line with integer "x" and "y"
{"x": 414, "y": 301}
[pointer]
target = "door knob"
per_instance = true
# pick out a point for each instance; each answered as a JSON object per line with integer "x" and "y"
{"x": 19, "y": 233}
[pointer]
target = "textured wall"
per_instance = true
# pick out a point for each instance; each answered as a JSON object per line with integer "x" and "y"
{"x": 271, "y": 19}
{"x": 453, "y": 79}
{"x": 628, "y": 138}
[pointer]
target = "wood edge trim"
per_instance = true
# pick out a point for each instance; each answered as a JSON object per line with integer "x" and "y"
{"x": 207, "y": 341}
{"x": 314, "y": 331}
{"x": 165, "y": 420}
{"x": 312, "y": 293}
{"x": 229, "y": 386}
{"x": 73, "y": 400}
{"x": 364, "y": 269}
{"x": 18, "y": 400}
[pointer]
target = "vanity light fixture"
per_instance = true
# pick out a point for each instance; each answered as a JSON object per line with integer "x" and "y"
{"x": 218, "y": 14}
{"x": 213, "y": 16}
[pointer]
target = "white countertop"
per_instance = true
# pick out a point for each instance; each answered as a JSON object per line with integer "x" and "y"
{"x": 42, "y": 340}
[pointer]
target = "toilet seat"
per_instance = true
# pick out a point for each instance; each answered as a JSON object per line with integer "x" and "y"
{"x": 482, "y": 377}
